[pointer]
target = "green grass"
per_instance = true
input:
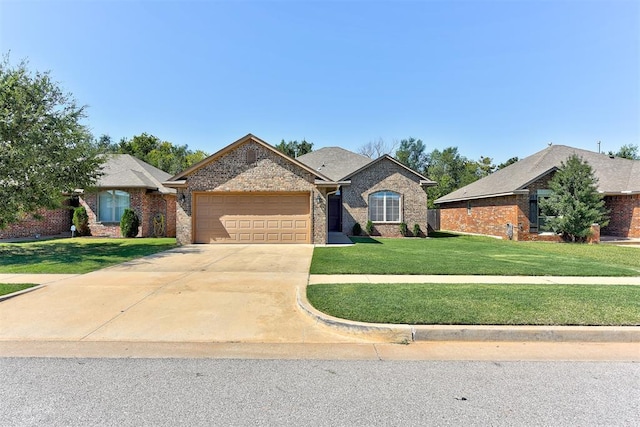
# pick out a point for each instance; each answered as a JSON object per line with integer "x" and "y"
{"x": 79, "y": 255}
{"x": 9, "y": 288}
{"x": 475, "y": 304}
{"x": 453, "y": 254}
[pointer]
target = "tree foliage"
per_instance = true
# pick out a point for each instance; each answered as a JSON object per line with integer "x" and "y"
{"x": 575, "y": 203}
{"x": 377, "y": 148}
{"x": 628, "y": 151}
{"x": 294, "y": 148}
{"x": 509, "y": 162}
{"x": 411, "y": 154}
{"x": 45, "y": 151}
{"x": 162, "y": 154}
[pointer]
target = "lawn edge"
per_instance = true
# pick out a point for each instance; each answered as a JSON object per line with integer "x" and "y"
{"x": 18, "y": 293}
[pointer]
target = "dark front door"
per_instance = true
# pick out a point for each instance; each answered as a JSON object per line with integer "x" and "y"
{"x": 335, "y": 212}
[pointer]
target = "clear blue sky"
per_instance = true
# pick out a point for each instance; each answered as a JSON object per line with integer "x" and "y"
{"x": 494, "y": 78}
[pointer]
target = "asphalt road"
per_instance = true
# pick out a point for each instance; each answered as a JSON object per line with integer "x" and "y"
{"x": 169, "y": 392}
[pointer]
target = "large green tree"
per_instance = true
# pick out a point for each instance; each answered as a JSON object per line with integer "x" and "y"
{"x": 411, "y": 154}
{"x": 629, "y": 151}
{"x": 295, "y": 148}
{"x": 164, "y": 155}
{"x": 574, "y": 204}
{"x": 45, "y": 150}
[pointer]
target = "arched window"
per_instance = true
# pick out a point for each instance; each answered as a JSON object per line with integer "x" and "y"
{"x": 384, "y": 206}
{"x": 111, "y": 205}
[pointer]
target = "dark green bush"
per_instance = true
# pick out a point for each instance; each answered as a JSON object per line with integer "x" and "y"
{"x": 81, "y": 221}
{"x": 357, "y": 229}
{"x": 404, "y": 229}
{"x": 416, "y": 230}
{"x": 369, "y": 227}
{"x": 129, "y": 223}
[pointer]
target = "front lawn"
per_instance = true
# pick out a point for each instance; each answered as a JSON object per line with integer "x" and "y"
{"x": 77, "y": 255}
{"x": 9, "y": 288}
{"x": 454, "y": 254}
{"x": 476, "y": 304}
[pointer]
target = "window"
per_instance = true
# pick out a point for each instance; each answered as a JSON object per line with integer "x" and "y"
{"x": 111, "y": 205}
{"x": 384, "y": 206}
{"x": 537, "y": 220}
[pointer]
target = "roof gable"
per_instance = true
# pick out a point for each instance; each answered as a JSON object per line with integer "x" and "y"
{"x": 126, "y": 171}
{"x": 615, "y": 175}
{"x": 248, "y": 138}
{"x": 423, "y": 180}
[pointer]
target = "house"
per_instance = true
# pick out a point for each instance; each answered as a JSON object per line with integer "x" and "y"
{"x": 249, "y": 192}
{"x": 126, "y": 182}
{"x": 506, "y": 203}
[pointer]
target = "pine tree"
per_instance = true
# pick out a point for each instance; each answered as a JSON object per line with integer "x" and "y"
{"x": 575, "y": 203}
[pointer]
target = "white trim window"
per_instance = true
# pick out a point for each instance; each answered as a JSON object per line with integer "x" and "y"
{"x": 385, "y": 206}
{"x": 111, "y": 205}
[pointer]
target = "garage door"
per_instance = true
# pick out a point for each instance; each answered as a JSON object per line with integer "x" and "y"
{"x": 252, "y": 218}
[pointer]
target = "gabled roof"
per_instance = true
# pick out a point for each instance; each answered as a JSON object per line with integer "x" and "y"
{"x": 615, "y": 175}
{"x": 423, "y": 180}
{"x": 334, "y": 162}
{"x": 126, "y": 171}
{"x": 179, "y": 178}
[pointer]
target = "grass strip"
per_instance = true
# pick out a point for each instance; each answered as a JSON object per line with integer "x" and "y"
{"x": 77, "y": 255}
{"x": 479, "y": 304}
{"x": 457, "y": 254}
{"x": 9, "y": 288}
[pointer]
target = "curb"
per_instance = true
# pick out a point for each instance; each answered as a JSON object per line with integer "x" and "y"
{"x": 410, "y": 333}
{"x": 24, "y": 291}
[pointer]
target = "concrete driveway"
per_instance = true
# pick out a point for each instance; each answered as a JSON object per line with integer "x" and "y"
{"x": 196, "y": 293}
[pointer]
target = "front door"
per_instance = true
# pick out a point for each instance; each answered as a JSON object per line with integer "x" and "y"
{"x": 335, "y": 212}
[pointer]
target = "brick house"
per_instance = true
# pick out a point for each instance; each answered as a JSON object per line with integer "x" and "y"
{"x": 250, "y": 192}
{"x": 126, "y": 182}
{"x": 505, "y": 203}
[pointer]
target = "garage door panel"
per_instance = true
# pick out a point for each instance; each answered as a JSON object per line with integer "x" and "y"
{"x": 257, "y": 218}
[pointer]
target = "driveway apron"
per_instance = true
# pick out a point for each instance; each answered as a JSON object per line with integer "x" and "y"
{"x": 195, "y": 293}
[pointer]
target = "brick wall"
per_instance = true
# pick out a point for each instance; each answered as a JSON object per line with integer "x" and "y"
{"x": 53, "y": 222}
{"x": 145, "y": 205}
{"x": 232, "y": 172}
{"x": 384, "y": 175}
{"x": 624, "y": 216}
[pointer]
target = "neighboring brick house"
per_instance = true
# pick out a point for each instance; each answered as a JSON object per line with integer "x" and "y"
{"x": 249, "y": 192}
{"x": 127, "y": 182}
{"x": 505, "y": 203}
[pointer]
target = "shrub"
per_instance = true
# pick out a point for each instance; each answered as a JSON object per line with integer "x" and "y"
{"x": 129, "y": 223}
{"x": 81, "y": 221}
{"x": 357, "y": 229}
{"x": 369, "y": 227}
{"x": 417, "y": 232}
{"x": 404, "y": 229}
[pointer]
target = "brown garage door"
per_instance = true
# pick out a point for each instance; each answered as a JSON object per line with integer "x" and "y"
{"x": 252, "y": 218}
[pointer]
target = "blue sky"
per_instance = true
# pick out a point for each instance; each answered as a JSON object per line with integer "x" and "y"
{"x": 494, "y": 78}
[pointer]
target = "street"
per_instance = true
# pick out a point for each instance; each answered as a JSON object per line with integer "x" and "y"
{"x": 169, "y": 392}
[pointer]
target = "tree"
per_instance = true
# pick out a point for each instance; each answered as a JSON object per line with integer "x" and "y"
{"x": 164, "y": 155}
{"x": 628, "y": 151}
{"x": 450, "y": 170}
{"x": 509, "y": 162}
{"x": 377, "y": 148}
{"x": 295, "y": 148}
{"x": 574, "y": 204}
{"x": 45, "y": 151}
{"x": 411, "y": 154}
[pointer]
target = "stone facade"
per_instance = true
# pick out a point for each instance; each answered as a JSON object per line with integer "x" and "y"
{"x": 249, "y": 167}
{"x": 624, "y": 213}
{"x": 145, "y": 205}
{"x": 52, "y": 223}
{"x": 381, "y": 176}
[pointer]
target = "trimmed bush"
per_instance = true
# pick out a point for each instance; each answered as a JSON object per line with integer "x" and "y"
{"x": 357, "y": 229}
{"x": 81, "y": 221}
{"x": 129, "y": 223}
{"x": 404, "y": 229}
{"x": 369, "y": 227}
{"x": 416, "y": 230}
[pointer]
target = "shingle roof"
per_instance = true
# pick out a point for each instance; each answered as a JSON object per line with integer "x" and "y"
{"x": 126, "y": 171}
{"x": 334, "y": 162}
{"x": 615, "y": 175}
